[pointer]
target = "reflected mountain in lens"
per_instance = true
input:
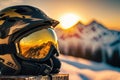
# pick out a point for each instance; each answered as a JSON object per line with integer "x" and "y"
{"x": 37, "y": 51}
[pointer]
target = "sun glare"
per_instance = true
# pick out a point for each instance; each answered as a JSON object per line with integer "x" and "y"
{"x": 68, "y": 20}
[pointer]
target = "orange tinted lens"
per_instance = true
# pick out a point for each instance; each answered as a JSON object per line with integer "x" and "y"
{"x": 37, "y": 44}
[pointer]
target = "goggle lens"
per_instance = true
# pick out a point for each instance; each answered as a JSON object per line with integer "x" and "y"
{"x": 37, "y": 44}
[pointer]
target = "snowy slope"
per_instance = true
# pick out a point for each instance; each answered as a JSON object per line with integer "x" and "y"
{"x": 81, "y": 69}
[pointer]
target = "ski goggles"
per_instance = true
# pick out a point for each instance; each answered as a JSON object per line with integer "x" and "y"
{"x": 37, "y": 44}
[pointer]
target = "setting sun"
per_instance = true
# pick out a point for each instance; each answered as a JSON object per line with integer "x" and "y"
{"x": 68, "y": 20}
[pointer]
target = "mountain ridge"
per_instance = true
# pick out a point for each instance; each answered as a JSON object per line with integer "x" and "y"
{"x": 89, "y": 41}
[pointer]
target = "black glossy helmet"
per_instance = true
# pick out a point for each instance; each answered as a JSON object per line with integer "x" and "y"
{"x": 15, "y": 18}
{"x": 28, "y": 43}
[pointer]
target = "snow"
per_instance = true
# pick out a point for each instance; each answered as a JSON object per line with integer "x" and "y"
{"x": 82, "y": 69}
{"x": 93, "y": 33}
{"x": 94, "y": 38}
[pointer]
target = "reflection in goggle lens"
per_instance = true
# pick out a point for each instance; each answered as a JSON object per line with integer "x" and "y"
{"x": 37, "y": 44}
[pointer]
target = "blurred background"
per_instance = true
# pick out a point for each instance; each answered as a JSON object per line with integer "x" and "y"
{"x": 88, "y": 35}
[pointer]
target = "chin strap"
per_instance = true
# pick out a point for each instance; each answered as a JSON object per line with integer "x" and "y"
{"x": 51, "y": 66}
{"x": 28, "y": 68}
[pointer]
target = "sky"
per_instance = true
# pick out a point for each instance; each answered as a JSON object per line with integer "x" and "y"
{"x": 107, "y": 12}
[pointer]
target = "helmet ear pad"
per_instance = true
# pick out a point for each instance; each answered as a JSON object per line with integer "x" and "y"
{"x": 56, "y": 65}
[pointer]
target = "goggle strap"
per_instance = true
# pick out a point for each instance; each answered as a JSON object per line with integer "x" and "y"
{"x": 34, "y": 68}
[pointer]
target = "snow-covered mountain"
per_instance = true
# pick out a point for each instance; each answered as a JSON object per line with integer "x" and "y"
{"x": 93, "y": 41}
